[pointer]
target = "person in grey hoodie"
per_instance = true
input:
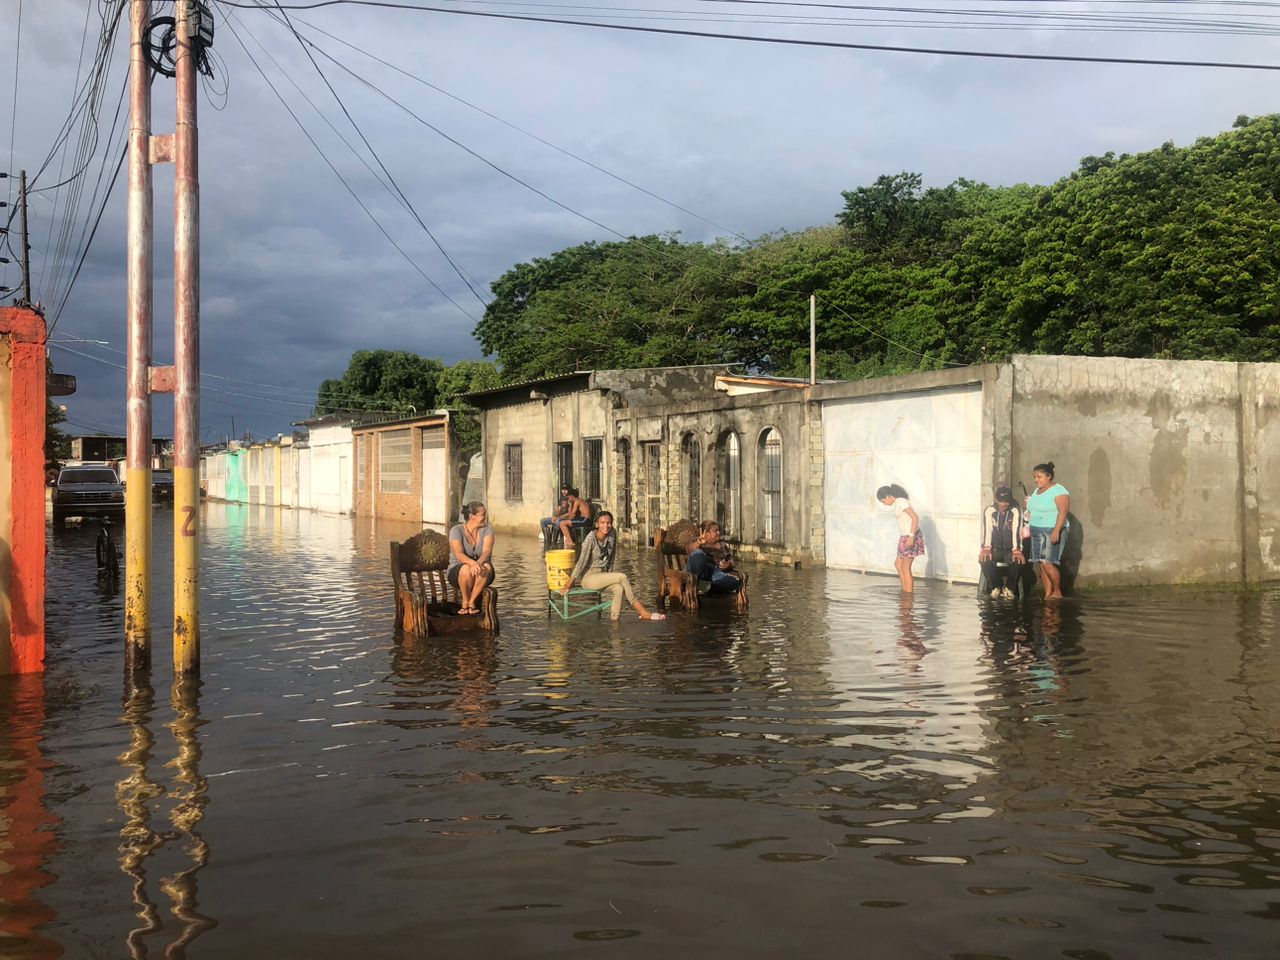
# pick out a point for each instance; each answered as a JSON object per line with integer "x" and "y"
{"x": 594, "y": 570}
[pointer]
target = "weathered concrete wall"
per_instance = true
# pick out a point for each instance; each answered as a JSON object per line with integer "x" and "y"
{"x": 1151, "y": 452}
{"x": 22, "y": 496}
{"x": 527, "y": 424}
{"x": 707, "y": 423}
{"x": 1260, "y": 463}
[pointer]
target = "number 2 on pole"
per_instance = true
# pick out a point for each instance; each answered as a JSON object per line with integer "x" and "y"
{"x": 189, "y": 523}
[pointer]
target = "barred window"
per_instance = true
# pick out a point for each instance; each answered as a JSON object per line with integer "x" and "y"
{"x": 395, "y": 461}
{"x": 564, "y": 466}
{"x": 771, "y": 484}
{"x": 593, "y": 468}
{"x": 361, "y": 461}
{"x": 513, "y": 460}
{"x": 692, "y": 476}
{"x": 729, "y": 485}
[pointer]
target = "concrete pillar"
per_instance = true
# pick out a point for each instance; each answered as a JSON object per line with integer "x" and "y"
{"x": 1251, "y": 570}
{"x": 22, "y": 496}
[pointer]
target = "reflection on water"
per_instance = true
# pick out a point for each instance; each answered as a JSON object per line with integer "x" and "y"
{"x": 933, "y": 776}
{"x": 138, "y": 796}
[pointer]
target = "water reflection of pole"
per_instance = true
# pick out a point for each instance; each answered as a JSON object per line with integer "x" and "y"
{"x": 190, "y": 800}
{"x": 134, "y": 793}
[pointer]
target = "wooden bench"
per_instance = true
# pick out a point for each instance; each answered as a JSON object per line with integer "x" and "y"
{"x": 427, "y": 603}
{"x": 678, "y": 585}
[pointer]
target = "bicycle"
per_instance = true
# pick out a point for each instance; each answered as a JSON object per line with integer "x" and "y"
{"x": 108, "y": 551}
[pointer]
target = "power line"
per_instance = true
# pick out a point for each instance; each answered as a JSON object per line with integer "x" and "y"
{"x": 343, "y": 180}
{"x": 527, "y": 133}
{"x": 785, "y": 41}
{"x": 365, "y": 140}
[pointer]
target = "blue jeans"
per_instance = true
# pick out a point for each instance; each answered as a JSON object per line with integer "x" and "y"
{"x": 1042, "y": 551}
{"x": 721, "y": 581}
{"x": 550, "y": 525}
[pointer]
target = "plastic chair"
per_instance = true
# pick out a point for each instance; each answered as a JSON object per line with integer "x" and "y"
{"x": 1019, "y": 583}
{"x": 578, "y": 602}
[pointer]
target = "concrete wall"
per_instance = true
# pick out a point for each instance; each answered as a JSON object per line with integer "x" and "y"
{"x": 1260, "y": 461}
{"x": 332, "y": 466}
{"x": 528, "y": 424}
{"x": 1153, "y": 454}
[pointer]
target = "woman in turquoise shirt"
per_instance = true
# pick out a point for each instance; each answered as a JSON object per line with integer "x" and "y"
{"x": 1047, "y": 509}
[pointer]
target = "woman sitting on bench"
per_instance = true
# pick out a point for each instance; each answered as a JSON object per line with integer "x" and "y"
{"x": 594, "y": 570}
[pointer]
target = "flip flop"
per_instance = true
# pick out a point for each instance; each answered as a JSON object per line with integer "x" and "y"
{"x": 655, "y": 616}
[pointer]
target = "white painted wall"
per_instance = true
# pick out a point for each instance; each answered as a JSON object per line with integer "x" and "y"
{"x": 331, "y": 460}
{"x": 930, "y": 443}
{"x": 304, "y": 477}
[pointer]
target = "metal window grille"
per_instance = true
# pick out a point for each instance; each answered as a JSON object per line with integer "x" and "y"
{"x": 513, "y": 462}
{"x": 624, "y": 485}
{"x": 362, "y": 458}
{"x": 395, "y": 461}
{"x": 771, "y": 483}
{"x": 564, "y": 466}
{"x": 693, "y": 477}
{"x": 433, "y": 438}
{"x": 729, "y": 503}
{"x": 593, "y": 454}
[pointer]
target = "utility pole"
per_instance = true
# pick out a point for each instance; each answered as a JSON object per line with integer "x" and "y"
{"x": 186, "y": 352}
{"x": 26, "y": 246}
{"x": 137, "y": 558}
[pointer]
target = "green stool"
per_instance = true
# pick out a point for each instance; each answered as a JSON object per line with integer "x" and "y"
{"x": 576, "y": 603}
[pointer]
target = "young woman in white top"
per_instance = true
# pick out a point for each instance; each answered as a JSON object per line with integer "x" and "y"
{"x": 910, "y": 539}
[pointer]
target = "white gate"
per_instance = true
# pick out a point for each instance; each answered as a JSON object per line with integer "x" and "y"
{"x": 928, "y": 442}
{"x": 434, "y": 469}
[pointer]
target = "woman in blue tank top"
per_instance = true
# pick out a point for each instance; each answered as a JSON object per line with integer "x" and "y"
{"x": 1047, "y": 510}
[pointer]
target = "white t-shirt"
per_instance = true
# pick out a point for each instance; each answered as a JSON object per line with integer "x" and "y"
{"x": 900, "y": 507}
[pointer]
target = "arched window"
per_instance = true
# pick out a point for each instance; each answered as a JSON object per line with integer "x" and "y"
{"x": 692, "y": 475}
{"x": 729, "y": 484}
{"x": 771, "y": 485}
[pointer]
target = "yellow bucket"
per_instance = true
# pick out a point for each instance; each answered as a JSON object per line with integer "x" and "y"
{"x": 559, "y": 566}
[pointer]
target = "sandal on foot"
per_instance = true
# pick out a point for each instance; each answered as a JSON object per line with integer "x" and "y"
{"x": 655, "y": 616}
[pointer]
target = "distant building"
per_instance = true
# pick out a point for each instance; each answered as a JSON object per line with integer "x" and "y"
{"x": 409, "y": 469}
{"x": 97, "y": 448}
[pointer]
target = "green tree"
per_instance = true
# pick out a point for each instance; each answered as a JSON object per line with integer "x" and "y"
{"x": 57, "y": 445}
{"x": 382, "y": 381}
{"x": 455, "y": 382}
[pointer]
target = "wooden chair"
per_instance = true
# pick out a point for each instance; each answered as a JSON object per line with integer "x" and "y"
{"x": 677, "y": 584}
{"x": 427, "y": 603}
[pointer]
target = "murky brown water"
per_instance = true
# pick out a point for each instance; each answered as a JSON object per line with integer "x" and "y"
{"x": 835, "y": 775}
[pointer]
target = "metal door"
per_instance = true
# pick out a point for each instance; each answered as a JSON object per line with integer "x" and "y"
{"x": 651, "y": 471}
{"x": 434, "y": 467}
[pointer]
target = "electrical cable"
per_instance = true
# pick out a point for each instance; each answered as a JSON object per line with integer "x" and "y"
{"x": 343, "y": 180}
{"x": 784, "y": 41}
{"x": 365, "y": 140}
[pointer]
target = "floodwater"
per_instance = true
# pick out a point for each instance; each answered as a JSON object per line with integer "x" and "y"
{"x": 839, "y": 773}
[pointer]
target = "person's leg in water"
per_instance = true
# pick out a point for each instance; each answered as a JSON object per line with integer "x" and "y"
{"x": 479, "y": 582}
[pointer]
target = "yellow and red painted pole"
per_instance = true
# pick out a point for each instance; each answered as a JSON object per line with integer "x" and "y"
{"x": 186, "y": 313}
{"x": 137, "y": 550}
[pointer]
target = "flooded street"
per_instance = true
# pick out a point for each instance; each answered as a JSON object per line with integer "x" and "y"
{"x": 839, "y": 773}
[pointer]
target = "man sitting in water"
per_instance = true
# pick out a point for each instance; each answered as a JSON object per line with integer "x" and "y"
{"x": 579, "y": 516}
{"x": 549, "y": 524}
{"x": 710, "y": 562}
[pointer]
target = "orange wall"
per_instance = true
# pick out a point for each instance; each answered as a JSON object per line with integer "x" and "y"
{"x": 22, "y": 525}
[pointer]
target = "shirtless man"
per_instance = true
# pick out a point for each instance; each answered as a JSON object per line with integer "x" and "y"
{"x": 579, "y": 516}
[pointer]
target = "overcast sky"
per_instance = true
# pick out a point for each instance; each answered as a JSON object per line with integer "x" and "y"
{"x": 755, "y": 137}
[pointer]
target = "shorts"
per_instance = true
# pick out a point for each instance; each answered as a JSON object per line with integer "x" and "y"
{"x": 455, "y": 571}
{"x": 1042, "y": 551}
{"x": 909, "y": 546}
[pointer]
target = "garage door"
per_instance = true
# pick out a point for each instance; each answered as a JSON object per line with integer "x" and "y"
{"x": 930, "y": 443}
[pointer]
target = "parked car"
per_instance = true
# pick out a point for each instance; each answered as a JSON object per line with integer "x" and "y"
{"x": 161, "y": 485}
{"x": 87, "y": 491}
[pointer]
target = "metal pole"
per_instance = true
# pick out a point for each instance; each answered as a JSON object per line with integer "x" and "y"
{"x": 813, "y": 339}
{"x": 186, "y": 313}
{"x": 137, "y": 561}
{"x": 26, "y": 245}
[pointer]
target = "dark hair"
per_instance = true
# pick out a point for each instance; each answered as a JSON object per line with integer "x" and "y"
{"x": 573, "y": 491}
{"x": 604, "y": 513}
{"x": 706, "y": 525}
{"x": 891, "y": 490}
{"x": 1045, "y": 468}
{"x": 471, "y": 509}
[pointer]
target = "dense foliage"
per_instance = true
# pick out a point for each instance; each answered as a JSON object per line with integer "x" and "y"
{"x": 400, "y": 383}
{"x": 1171, "y": 253}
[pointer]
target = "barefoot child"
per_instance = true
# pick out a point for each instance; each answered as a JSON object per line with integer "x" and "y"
{"x": 910, "y": 539}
